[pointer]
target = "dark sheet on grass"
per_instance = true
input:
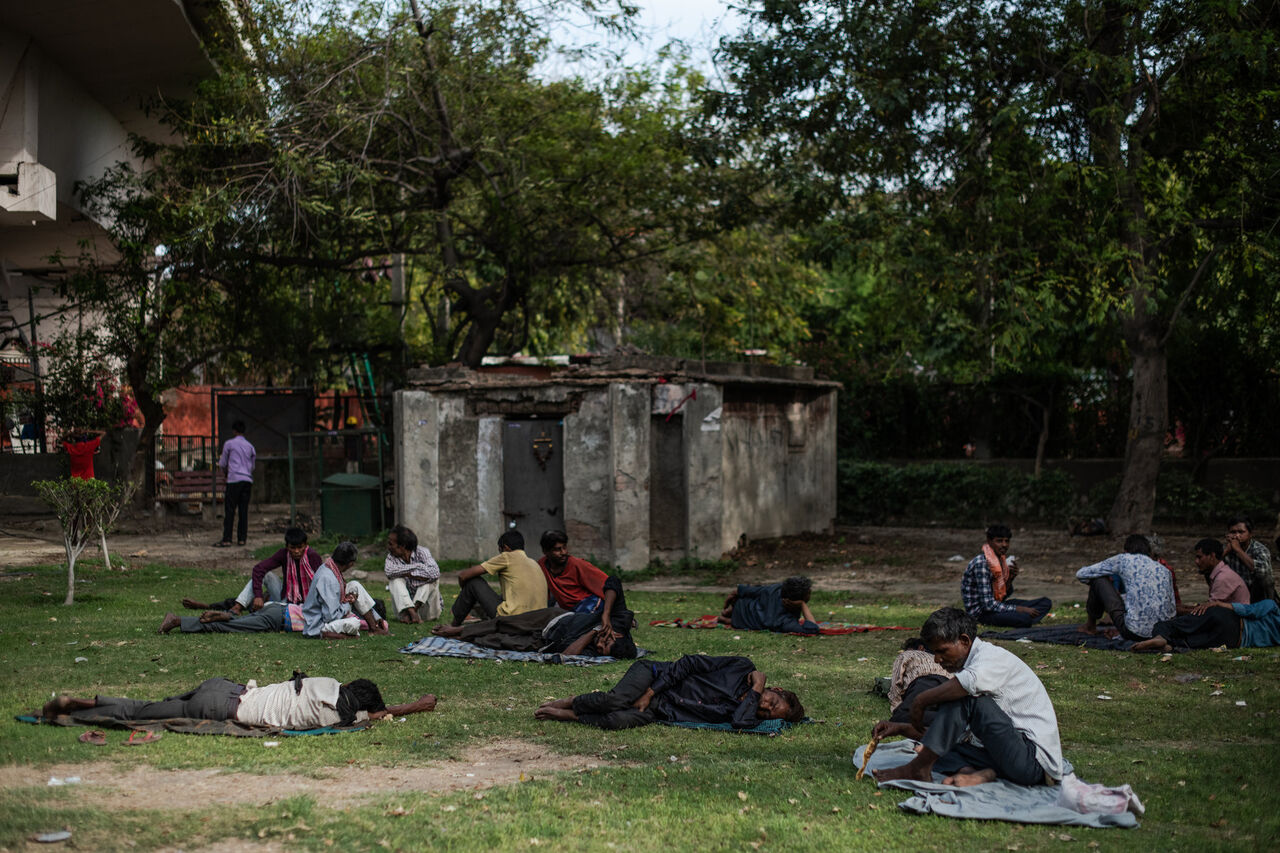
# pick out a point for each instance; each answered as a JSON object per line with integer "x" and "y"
{"x": 771, "y": 728}
{"x": 184, "y": 725}
{"x": 1062, "y": 635}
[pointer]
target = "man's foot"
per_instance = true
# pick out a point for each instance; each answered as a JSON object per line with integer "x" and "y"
{"x": 1155, "y": 644}
{"x": 379, "y": 627}
{"x": 170, "y": 622}
{"x": 216, "y": 616}
{"x": 241, "y": 543}
{"x": 225, "y": 543}
{"x": 1090, "y": 627}
{"x": 962, "y": 779}
{"x": 918, "y": 769}
{"x": 548, "y": 712}
{"x": 192, "y": 604}
{"x": 557, "y": 703}
{"x": 409, "y": 616}
{"x": 447, "y": 630}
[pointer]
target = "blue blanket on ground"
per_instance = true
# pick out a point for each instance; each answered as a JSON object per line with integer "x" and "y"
{"x": 998, "y": 800}
{"x": 772, "y": 728}
{"x": 449, "y": 647}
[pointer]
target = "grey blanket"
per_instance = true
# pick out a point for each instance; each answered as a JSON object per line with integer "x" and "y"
{"x": 998, "y": 800}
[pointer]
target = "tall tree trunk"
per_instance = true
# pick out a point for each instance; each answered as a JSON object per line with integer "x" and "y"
{"x": 1148, "y": 415}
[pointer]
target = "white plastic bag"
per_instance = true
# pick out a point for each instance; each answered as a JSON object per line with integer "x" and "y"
{"x": 1085, "y": 798}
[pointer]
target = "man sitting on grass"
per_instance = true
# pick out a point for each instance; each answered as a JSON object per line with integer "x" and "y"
{"x": 1224, "y": 584}
{"x": 326, "y": 612}
{"x": 549, "y": 630}
{"x": 995, "y": 697}
{"x": 779, "y": 607}
{"x": 523, "y": 586}
{"x": 301, "y": 703}
{"x": 413, "y": 577}
{"x": 694, "y": 689}
{"x": 1218, "y": 623}
{"x": 988, "y": 584}
{"x": 297, "y": 563}
{"x": 1147, "y": 595}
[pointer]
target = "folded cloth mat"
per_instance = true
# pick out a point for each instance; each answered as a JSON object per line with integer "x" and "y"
{"x": 1063, "y": 635}
{"x": 832, "y": 628}
{"x": 1072, "y": 803}
{"x": 451, "y": 647}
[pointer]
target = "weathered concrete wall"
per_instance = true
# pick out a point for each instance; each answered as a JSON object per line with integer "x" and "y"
{"x": 416, "y": 424}
{"x": 704, "y": 453}
{"x": 779, "y": 465}
{"x": 588, "y": 477}
{"x": 458, "y": 497}
{"x": 629, "y": 405}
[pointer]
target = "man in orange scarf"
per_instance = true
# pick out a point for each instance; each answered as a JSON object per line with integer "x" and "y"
{"x": 988, "y": 584}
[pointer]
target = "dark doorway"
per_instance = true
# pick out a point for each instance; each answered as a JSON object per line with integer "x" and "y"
{"x": 668, "y": 515}
{"x": 533, "y": 477}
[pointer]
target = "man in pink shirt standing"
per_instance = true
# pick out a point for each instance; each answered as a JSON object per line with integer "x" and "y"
{"x": 1224, "y": 584}
{"x": 238, "y": 458}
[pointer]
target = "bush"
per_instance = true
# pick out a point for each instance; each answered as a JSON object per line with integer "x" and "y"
{"x": 950, "y": 493}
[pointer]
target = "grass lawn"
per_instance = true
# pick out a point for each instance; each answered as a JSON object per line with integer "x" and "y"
{"x": 1204, "y": 765}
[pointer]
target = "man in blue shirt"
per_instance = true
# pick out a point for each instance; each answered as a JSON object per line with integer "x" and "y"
{"x": 1144, "y": 596}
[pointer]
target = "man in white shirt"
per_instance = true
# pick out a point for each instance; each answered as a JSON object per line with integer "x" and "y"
{"x": 301, "y": 703}
{"x": 993, "y": 697}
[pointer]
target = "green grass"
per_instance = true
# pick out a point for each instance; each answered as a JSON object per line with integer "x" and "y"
{"x": 1203, "y": 765}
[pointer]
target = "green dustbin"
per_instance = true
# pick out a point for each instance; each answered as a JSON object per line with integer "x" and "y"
{"x": 350, "y": 504}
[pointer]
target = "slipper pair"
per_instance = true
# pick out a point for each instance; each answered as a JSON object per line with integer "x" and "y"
{"x": 97, "y": 737}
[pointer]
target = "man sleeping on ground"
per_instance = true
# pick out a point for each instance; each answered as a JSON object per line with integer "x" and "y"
{"x": 995, "y": 697}
{"x": 550, "y": 630}
{"x": 693, "y": 689}
{"x": 301, "y": 703}
{"x": 780, "y": 607}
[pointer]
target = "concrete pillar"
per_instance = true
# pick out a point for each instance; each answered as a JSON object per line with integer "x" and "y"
{"x": 704, "y": 452}
{"x": 629, "y": 503}
{"x": 416, "y": 424}
{"x": 588, "y": 477}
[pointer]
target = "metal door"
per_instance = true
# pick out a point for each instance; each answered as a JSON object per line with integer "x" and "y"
{"x": 533, "y": 477}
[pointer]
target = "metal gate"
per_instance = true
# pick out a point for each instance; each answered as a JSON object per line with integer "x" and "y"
{"x": 533, "y": 477}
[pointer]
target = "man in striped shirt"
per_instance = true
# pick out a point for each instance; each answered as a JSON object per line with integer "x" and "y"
{"x": 413, "y": 577}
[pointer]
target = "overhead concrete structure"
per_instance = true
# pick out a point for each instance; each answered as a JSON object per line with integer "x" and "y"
{"x": 76, "y": 77}
{"x": 634, "y": 458}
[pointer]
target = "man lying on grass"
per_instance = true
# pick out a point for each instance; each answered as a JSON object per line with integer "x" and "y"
{"x": 326, "y": 612}
{"x": 297, "y": 563}
{"x": 550, "y": 630}
{"x": 994, "y": 696}
{"x": 780, "y": 607}
{"x": 1218, "y": 623}
{"x": 694, "y": 689}
{"x": 301, "y": 703}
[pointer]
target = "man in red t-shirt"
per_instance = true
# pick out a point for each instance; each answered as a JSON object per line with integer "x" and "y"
{"x": 81, "y": 447}
{"x": 576, "y": 585}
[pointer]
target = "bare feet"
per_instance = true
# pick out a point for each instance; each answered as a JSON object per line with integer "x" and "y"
{"x": 1090, "y": 627}
{"x": 170, "y": 622}
{"x": 216, "y": 616}
{"x": 961, "y": 779}
{"x": 557, "y": 703}
{"x": 447, "y": 630}
{"x": 919, "y": 769}
{"x": 380, "y": 627}
{"x": 1155, "y": 644}
{"x": 192, "y": 604}
{"x": 549, "y": 712}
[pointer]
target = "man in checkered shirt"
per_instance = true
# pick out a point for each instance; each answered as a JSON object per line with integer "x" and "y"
{"x": 982, "y": 597}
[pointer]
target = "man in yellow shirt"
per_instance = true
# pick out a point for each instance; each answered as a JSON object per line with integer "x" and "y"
{"x": 524, "y": 587}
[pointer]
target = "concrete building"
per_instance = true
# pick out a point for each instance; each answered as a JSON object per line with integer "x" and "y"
{"x": 634, "y": 458}
{"x": 76, "y": 78}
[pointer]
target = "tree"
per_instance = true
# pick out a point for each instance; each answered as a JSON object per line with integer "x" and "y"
{"x": 1042, "y": 162}
{"x": 81, "y": 507}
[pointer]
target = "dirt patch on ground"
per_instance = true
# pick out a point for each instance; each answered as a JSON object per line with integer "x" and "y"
{"x": 923, "y": 564}
{"x": 120, "y": 786}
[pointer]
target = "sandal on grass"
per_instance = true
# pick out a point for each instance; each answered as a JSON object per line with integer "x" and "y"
{"x": 147, "y": 737}
{"x": 97, "y": 737}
